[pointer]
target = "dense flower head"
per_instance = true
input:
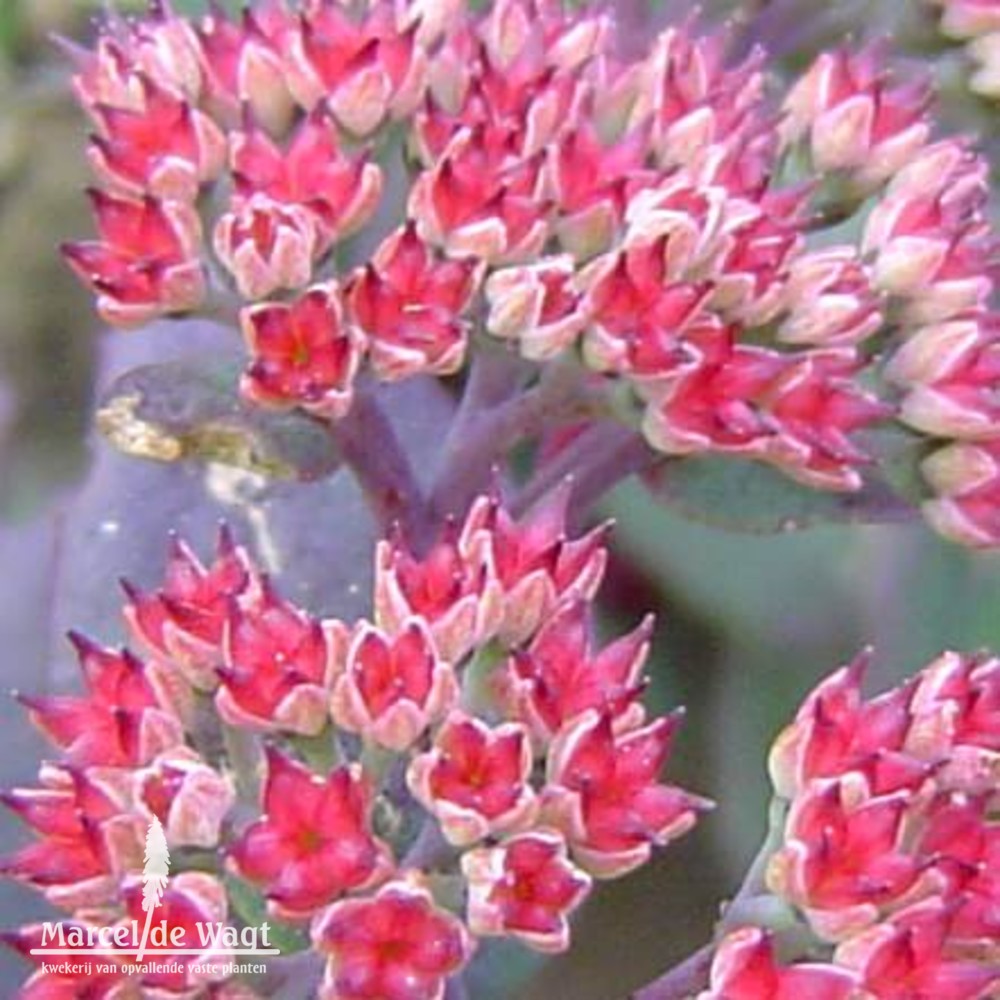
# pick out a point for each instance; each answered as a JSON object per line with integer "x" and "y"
{"x": 889, "y": 835}
{"x": 342, "y": 776}
{"x": 659, "y": 219}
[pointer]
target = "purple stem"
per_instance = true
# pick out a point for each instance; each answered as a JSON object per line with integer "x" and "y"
{"x": 494, "y": 416}
{"x": 370, "y": 447}
{"x": 600, "y": 458}
{"x": 683, "y": 980}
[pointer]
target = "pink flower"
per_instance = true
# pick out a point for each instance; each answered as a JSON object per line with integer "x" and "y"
{"x": 86, "y": 839}
{"x": 559, "y": 676}
{"x": 191, "y": 900}
{"x": 184, "y": 620}
{"x": 853, "y": 120}
{"x": 125, "y": 719}
{"x": 278, "y": 667}
{"x": 166, "y": 148}
{"x": 836, "y": 731}
{"x": 483, "y": 202}
{"x": 363, "y": 71}
{"x": 459, "y": 601}
{"x": 410, "y": 304}
{"x": 641, "y": 323}
{"x": 592, "y": 183}
{"x": 909, "y": 956}
{"x": 966, "y": 481}
{"x": 532, "y": 559}
{"x": 302, "y": 353}
{"x": 603, "y": 793}
{"x": 955, "y": 713}
{"x": 526, "y": 888}
{"x": 796, "y": 411}
{"x": 314, "y": 842}
{"x": 267, "y": 245}
{"x": 745, "y": 968}
{"x": 395, "y": 945}
{"x": 829, "y": 300}
{"x": 951, "y": 371}
{"x": 243, "y": 64}
{"x": 844, "y": 859}
{"x": 145, "y": 262}
{"x": 343, "y": 192}
{"x": 189, "y": 798}
{"x": 390, "y": 688}
{"x": 694, "y": 101}
{"x": 932, "y": 246}
{"x": 475, "y": 779}
{"x": 537, "y": 305}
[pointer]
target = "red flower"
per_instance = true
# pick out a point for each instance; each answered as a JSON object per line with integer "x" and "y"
{"x": 604, "y": 793}
{"x": 278, "y": 664}
{"x": 482, "y": 200}
{"x": 362, "y": 71}
{"x": 526, "y": 888}
{"x": 844, "y": 858}
{"x": 410, "y": 305}
{"x": 146, "y": 261}
{"x": 559, "y": 676}
{"x": 183, "y": 622}
{"x": 313, "y": 171}
{"x": 907, "y": 958}
{"x": 243, "y": 64}
{"x": 124, "y": 720}
{"x": 592, "y": 183}
{"x": 533, "y": 561}
{"x": 396, "y": 945}
{"x": 643, "y": 324}
{"x": 457, "y": 600}
{"x": 314, "y": 842}
{"x": 87, "y": 839}
{"x": 303, "y": 353}
{"x": 745, "y": 968}
{"x": 166, "y": 148}
{"x": 694, "y": 101}
{"x": 794, "y": 411}
{"x": 475, "y": 779}
{"x": 836, "y": 731}
{"x": 390, "y": 688}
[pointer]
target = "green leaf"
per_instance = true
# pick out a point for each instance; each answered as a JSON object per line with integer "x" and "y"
{"x": 178, "y": 411}
{"x": 741, "y": 495}
{"x": 251, "y": 907}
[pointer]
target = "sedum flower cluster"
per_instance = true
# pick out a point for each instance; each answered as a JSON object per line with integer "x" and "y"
{"x": 888, "y": 843}
{"x": 463, "y": 766}
{"x": 369, "y": 187}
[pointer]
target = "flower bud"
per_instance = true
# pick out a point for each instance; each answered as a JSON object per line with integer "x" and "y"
{"x": 267, "y": 246}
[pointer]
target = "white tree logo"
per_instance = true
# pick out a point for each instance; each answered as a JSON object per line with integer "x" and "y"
{"x": 154, "y": 877}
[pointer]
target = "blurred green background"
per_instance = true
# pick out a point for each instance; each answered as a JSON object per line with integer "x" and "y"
{"x": 747, "y": 623}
